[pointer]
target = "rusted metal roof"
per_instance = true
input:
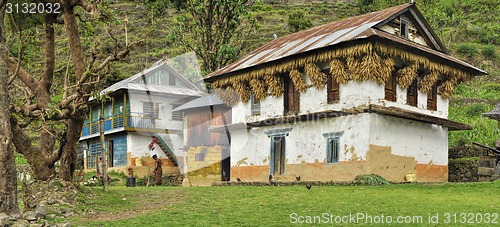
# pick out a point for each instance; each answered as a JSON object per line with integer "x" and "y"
{"x": 406, "y": 42}
{"x": 358, "y": 27}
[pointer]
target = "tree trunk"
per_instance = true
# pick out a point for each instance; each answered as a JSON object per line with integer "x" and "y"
{"x": 68, "y": 159}
{"x": 104, "y": 160}
{"x": 42, "y": 168}
{"x": 8, "y": 176}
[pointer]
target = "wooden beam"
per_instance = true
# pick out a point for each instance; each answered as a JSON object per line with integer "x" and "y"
{"x": 410, "y": 115}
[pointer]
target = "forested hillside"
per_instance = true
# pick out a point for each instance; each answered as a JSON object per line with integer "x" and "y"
{"x": 469, "y": 28}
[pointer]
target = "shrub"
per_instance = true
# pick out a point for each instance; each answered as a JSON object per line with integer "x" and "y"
{"x": 489, "y": 52}
{"x": 297, "y": 21}
{"x": 476, "y": 109}
{"x": 370, "y": 179}
{"x": 467, "y": 49}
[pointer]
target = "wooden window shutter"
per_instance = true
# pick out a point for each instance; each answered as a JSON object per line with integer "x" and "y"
{"x": 291, "y": 97}
{"x": 390, "y": 88}
{"x": 333, "y": 88}
{"x": 411, "y": 97}
{"x": 432, "y": 98}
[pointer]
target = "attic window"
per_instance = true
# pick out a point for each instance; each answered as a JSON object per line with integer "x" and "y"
{"x": 403, "y": 28}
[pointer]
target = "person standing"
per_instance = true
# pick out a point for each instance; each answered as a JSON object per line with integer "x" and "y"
{"x": 157, "y": 170}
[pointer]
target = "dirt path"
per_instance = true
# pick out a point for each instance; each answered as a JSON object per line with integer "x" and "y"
{"x": 155, "y": 201}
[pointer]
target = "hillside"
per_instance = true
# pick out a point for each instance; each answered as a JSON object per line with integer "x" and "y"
{"x": 472, "y": 37}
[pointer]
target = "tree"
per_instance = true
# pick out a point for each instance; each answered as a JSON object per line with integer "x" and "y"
{"x": 8, "y": 177}
{"x": 297, "y": 21}
{"x": 213, "y": 29}
{"x": 58, "y": 111}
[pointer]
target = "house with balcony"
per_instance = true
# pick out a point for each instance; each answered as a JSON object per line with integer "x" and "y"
{"x": 137, "y": 112}
{"x": 363, "y": 95}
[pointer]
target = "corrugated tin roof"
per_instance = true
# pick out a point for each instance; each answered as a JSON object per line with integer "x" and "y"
{"x": 210, "y": 100}
{"x": 422, "y": 48}
{"x": 135, "y": 83}
{"x": 349, "y": 29}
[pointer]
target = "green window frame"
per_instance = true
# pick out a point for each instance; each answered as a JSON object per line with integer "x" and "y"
{"x": 332, "y": 147}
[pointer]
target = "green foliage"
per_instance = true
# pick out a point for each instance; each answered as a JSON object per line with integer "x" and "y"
{"x": 20, "y": 159}
{"x": 214, "y": 30}
{"x": 489, "y": 51}
{"x": 370, "y": 179}
{"x": 467, "y": 49}
{"x": 475, "y": 110}
{"x": 366, "y": 6}
{"x": 485, "y": 130}
{"x": 297, "y": 21}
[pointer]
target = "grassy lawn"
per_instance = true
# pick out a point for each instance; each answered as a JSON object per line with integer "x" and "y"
{"x": 279, "y": 206}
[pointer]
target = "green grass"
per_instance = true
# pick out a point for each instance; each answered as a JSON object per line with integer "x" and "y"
{"x": 272, "y": 206}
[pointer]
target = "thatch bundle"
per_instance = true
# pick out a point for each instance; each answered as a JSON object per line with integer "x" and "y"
{"x": 426, "y": 83}
{"x": 259, "y": 88}
{"x": 406, "y": 75}
{"x": 368, "y": 61}
{"x": 297, "y": 80}
{"x": 338, "y": 69}
{"x": 318, "y": 78}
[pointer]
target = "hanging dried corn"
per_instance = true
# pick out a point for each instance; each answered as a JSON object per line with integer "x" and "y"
{"x": 370, "y": 67}
{"x": 338, "y": 71}
{"x": 406, "y": 75}
{"x": 297, "y": 80}
{"x": 318, "y": 78}
{"x": 367, "y": 61}
{"x": 259, "y": 88}
{"x": 353, "y": 68}
{"x": 446, "y": 89}
{"x": 242, "y": 89}
{"x": 425, "y": 85}
{"x": 274, "y": 84}
{"x": 228, "y": 96}
{"x": 387, "y": 68}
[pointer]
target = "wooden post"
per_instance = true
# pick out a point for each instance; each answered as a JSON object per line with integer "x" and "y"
{"x": 103, "y": 155}
{"x": 125, "y": 120}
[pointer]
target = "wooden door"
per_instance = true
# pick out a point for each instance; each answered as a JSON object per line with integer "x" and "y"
{"x": 225, "y": 164}
{"x": 278, "y": 155}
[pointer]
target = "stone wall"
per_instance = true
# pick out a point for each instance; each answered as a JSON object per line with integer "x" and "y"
{"x": 464, "y": 163}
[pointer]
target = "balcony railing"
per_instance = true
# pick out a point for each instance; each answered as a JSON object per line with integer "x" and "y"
{"x": 133, "y": 120}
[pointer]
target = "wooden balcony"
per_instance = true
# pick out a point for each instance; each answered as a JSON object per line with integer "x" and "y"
{"x": 133, "y": 120}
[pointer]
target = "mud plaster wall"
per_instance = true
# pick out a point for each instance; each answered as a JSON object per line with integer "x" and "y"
{"x": 204, "y": 172}
{"x": 352, "y": 94}
{"x": 428, "y": 143}
{"x": 305, "y": 142}
{"x": 370, "y": 143}
{"x": 379, "y": 161}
